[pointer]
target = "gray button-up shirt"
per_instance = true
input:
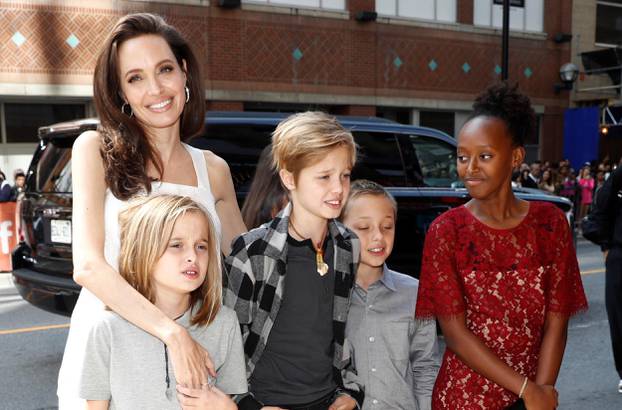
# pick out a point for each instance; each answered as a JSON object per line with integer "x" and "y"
{"x": 394, "y": 357}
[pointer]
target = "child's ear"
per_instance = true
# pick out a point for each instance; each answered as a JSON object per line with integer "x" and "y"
{"x": 288, "y": 180}
{"x": 518, "y": 155}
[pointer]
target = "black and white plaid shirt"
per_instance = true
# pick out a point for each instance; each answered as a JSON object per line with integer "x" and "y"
{"x": 255, "y": 282}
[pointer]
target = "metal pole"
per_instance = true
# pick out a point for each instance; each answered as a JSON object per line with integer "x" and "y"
{"x": 505, "y": 39}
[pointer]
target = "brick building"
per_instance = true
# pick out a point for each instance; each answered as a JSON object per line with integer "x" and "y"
{"x": 419, "y": 62}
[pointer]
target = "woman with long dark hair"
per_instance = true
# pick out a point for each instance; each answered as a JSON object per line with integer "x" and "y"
{"x": 149, "y": 96}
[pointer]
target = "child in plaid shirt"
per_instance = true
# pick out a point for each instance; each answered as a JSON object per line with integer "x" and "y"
{"x": 290, "y": 279}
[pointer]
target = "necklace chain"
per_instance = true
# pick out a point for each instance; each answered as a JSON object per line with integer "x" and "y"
{"x": 322, "y": 267}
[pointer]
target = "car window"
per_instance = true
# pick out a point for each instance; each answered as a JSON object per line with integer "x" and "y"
{"x": 239, "y": 145}
{"x": 437, "y": 160}
{"x": 379, "y": 159}
{"x": 53, "y": 171}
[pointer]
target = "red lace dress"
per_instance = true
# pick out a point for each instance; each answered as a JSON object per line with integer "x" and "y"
{"x": 505, "y": 281}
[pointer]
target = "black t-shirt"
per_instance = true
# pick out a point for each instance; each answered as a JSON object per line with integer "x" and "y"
{"x": 296, "y": 366}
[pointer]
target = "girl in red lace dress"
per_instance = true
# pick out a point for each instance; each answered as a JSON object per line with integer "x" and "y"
{"x": 500, "y": 274}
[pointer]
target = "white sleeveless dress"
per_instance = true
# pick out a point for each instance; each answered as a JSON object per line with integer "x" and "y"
{"x": 68, "y": 381}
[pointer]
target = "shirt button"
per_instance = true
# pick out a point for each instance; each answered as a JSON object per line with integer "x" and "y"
{"x": 370, "y": 306}
{"x": 372, "y": 339}
{"x": 373, "y": 369}
{"x": 374, "y": 401}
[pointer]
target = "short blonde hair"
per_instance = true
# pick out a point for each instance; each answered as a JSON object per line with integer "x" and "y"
{"x": 146, "y": 226}
{"x": 305, "y": 138}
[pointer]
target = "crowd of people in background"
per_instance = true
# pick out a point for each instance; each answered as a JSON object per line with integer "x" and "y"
{"x": 10, "y": 192}
{"x": 560, "y": 178}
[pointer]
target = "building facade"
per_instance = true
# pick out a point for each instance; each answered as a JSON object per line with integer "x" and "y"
{"x": 419, "y": 62}
{"x": 597, "y": 50}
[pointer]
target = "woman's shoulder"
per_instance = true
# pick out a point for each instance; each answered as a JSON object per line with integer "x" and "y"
{"x": 88, "y": 141}
{"x": 547, "y": 215}
{"x": 213, "y": 161}
{"x": 449, "y": 219}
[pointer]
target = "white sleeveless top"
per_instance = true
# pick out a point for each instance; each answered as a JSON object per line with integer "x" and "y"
{"x": 68, "y": 380}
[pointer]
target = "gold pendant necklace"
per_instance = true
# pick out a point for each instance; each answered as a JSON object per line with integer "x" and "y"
{"x": 321, "y": 266}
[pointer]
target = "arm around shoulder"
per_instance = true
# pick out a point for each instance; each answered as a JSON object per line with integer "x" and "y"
{"x": 89, "y": 188}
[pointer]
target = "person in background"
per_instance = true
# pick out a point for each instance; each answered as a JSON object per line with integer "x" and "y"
{"x": 499, "y": 273}
{"x": 20, "y": 181}
{"x": 397, "y": 370}
{"x": 600, "y": 180}
{"x": 608, "y": 202}
{"x": 533, "y": 179}
{"x": 568, "y": 183}
{"x": 266, "y": 196}
{"x": 547, "y": 183}
{"x": 5, "y": 188}
{"x": 586, "y": 185}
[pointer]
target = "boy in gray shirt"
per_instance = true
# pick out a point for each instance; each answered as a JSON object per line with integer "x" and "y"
{"x": 394, "y": 357}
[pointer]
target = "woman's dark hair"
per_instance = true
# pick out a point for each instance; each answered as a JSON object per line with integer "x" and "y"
{"x": 505, "y": 102}
{"x": 126, "y": 150}
{"x": 266, "y": 195}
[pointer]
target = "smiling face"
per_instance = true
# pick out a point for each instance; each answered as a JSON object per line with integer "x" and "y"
{"x": 486, "y": 157}
{"x": 372, "y": 218}
{"x": 320, "y": 190}
{"x": 183, "y": 266}
{"x": 152, "y": 81}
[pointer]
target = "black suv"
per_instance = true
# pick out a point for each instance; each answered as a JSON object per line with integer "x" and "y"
{"x": 418, "y": 165}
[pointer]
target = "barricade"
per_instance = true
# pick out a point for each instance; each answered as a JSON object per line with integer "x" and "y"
{"x": 8, "y": 236}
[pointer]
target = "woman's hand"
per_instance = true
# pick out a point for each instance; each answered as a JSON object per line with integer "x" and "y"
{"x": 205, "y": 398}
{"x": 540, "y": 397}
{"x": 343, "y": 402}
{"x": 190, "y": 361}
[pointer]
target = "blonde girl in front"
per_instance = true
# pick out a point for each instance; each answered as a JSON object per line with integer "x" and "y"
{"x": 169, "y": 255}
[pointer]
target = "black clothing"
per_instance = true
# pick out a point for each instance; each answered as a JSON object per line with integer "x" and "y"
{"x": 529, "y": 183}
{"x": 609, "y": 203}
{"x": 613, "y": 303}
{"x": 296, "y": 365}
{"x": 320, "y": 404}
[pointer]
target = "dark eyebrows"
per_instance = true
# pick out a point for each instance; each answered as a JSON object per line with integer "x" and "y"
{"x": 138, "y": 70}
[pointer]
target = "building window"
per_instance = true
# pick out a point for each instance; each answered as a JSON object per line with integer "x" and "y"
{"x": 525, "y": 15}
{"x": 609, "y": 22}
{"x": 437, "y": 10}
{"x": 441, "y": 120}
{"x": 318, "y": 4}
{"x": 23, "y": 120}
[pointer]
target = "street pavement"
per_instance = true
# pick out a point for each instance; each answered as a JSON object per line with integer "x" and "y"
{"x": 32, "y": 343}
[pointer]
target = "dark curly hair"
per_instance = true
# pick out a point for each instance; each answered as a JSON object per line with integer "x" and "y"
{"x": 125, "y": 148}
{"x": 505, "y": 102}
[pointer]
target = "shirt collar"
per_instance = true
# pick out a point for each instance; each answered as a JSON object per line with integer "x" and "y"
{"x": 387, "y": 278}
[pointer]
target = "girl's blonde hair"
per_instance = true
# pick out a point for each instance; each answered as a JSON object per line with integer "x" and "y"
{"x": 146, "y": 226}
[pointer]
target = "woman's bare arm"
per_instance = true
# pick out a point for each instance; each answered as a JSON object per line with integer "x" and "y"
{"x": 93, "y": 272}
{"x": 475, "y": 354}
{"x": 226, "y": 201}
{"x": 552, "y": 348}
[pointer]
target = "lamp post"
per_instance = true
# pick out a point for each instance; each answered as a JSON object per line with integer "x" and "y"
{"x": 505, "y": 40}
